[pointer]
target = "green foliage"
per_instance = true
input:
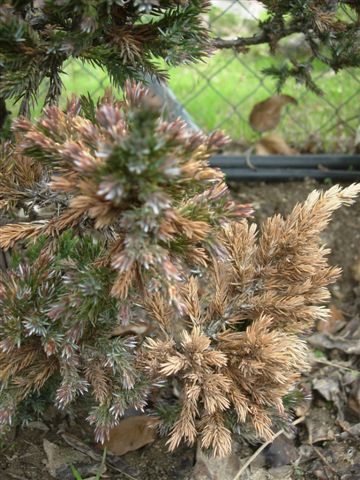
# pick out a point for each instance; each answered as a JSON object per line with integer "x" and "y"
{"x": 126, "y": 39}
{"x": 62, "y": 306}
{"x": 77, "y": 475}
{"x": 168, "y": 413}
{"x": 300, "y": 72}
{"x": 293, "y": 399}
{"x": 330, "y": 28}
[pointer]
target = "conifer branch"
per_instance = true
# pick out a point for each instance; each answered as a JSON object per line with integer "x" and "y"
{"x": 154, "y": 235}
{"x": 114, "y": 215}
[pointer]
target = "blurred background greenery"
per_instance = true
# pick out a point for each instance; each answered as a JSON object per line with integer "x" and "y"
{"x": 221, "y": 92}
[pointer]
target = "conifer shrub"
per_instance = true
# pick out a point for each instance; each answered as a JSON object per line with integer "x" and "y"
{"x": 128, "y": 226}
{"x": 132, "y": 270}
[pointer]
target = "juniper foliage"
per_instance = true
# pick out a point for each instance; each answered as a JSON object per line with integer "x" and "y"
{"x": 132, "y": 267}
{"x": 125, "y": 38}
{"x": 330, "y": 28}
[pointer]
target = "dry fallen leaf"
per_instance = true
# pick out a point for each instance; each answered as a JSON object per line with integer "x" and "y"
{"x": 210, "y": 468}
{"x": 313, "y": 144}
{"x": 130, "y": 329}
{"x": 354, "y": 398}
{"x": 282, "y": 451}
{"x": 334, "y": 323}
{"x": 59, "y": 458}
{"x": 321, "y": 340}
{"x": 355, "y": 269}
{"x": 328, "y": 388}
{"x": 319, "y": 427}
{"x": 131, "y": 434}
{"x": 266, "y": 114}
{"x": 273, "y": 144}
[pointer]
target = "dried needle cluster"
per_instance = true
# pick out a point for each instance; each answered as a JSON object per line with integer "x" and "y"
{"x": 241, "y": 349}
{"x": 132, "y": 269}
{"x": 142, "y": 182}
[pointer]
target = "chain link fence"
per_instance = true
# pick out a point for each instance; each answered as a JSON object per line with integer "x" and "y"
{"x": 221, "y": 92}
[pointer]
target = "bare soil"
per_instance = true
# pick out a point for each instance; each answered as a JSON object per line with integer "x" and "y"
{"x": 324, "y": 446}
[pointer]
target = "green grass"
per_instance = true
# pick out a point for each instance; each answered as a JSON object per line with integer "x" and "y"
{"x": 241, "y": 84}
{"x": 77, "y": 475}
{"x": 221, "y": 92}
{"x": 211, "y": 90}
{"x": 80, "y": 79}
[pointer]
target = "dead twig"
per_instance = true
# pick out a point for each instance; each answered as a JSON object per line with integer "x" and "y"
{"x": 263, "y": 446}
{"x": 13, "y": 475}
{"x": 111, "y": 461}
{"x": 352, "y": 430}
{"x": 263, "y": 37}
{"x": 335, "y": 365}
{"x": 325, "y": 461}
